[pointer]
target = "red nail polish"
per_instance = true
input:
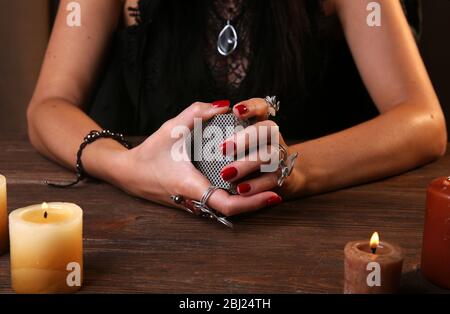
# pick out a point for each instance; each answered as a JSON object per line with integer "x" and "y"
{"x": 243, "y": 188}
{"x": 274, "y": 200}
{"x": 229, "y": 173}
{"x": 242, "y": 109}
{"x": 228, "y": 148}
{"x": 221, "y": 103}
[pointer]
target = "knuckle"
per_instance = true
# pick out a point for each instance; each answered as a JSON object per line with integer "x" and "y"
{"x": 197, "y": 108}
{"x": 261, "y": 105}
{"x": 255, "y": 101}
{"x": 226, "y": 210}
{"x": 170, "y": 122}
{"x": 168, "y": 125}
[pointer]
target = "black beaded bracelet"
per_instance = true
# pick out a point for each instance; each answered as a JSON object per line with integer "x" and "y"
{"x": 90, "y": 138}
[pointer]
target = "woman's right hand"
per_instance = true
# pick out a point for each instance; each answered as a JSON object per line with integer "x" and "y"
{"x": 150, "y": 171}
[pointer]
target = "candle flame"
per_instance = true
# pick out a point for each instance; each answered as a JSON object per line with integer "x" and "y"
{"x": 374, "y": 241}
{"x": 44, "y": 206}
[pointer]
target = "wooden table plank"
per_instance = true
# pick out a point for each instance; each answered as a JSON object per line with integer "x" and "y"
{"x": 135, "y": 246}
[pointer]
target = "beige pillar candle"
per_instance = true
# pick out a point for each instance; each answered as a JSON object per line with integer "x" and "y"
{"x": 46, "y": 245}
{"x": 372, "y": 267}
{"x": 3, "y": 216}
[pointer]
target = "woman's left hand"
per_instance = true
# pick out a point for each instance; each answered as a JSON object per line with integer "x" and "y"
{"x": 246, "y": 171}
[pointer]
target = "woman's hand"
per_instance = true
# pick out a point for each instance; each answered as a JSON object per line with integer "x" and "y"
{"x": 151, "y": 172}
{"x": 246, "y": 170}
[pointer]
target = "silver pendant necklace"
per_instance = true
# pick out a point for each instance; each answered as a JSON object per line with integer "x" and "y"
{"x": 227, "y": 40}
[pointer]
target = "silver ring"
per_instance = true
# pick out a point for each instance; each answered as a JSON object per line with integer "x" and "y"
{"x": 200, "y": 208}
{"x": 283, "y": 152}
{"x": 273, "y": 106}
{"x": 207, "y": 212}
{"x": 286, "y": 164}
{"x": 207, "y": 195}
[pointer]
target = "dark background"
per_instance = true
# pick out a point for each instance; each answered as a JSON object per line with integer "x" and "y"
{"x": 23, "y": 38}
{"x": 435, "y": 48}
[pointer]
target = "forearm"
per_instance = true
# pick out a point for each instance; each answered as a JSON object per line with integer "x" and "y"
{"x": 56, "y": 128}
{"x": 398, "y": 140}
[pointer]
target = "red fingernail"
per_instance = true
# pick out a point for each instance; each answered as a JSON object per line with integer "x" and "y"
{"x": 242, "y": 109}
{"x": 274, "y": 200}
{"x": 229, "y": 173}
{"x": 243, "y": 188}
{"x": 221, "y": 103}
{"x": 228, "y": 148}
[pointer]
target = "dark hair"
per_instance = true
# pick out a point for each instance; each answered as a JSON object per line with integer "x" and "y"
{"x": 279, "y": 31}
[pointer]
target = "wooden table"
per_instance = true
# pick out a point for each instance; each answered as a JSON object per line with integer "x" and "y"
{"x": 131, "y": 245}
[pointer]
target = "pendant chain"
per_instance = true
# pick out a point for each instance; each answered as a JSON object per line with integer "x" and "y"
{"x": 239, "y": 11}
{"x": 224, "y": 35}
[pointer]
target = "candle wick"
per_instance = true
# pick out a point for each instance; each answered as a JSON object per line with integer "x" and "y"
{"x": 374, "y": 250}
{"x": 45, "y": 215}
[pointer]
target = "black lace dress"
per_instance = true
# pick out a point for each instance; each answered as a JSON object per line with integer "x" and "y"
{"x": 132, "y": 97}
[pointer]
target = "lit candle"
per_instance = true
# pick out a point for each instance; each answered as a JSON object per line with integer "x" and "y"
{"x": 46, "y": 245}
{"x": 436, "y": 237}
{"x": 3, "y": 216}
{"x": 372, "y": 266}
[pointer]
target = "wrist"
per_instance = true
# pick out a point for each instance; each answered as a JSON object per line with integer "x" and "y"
{"x": 311, "y": 179}
{"x": 103, "y": 159}
{"x": 306, "y": 178}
